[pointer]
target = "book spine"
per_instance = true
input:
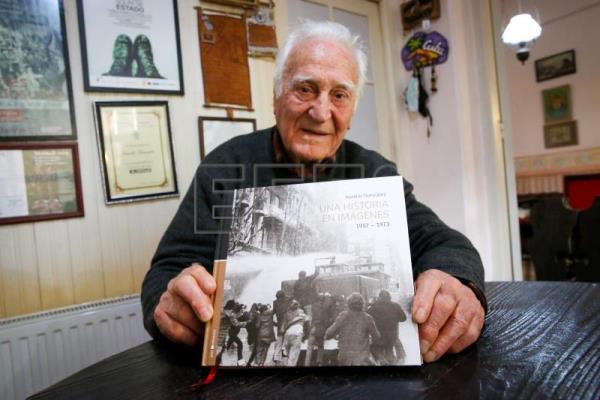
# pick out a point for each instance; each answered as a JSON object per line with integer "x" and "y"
{"x": 212, "y": 327}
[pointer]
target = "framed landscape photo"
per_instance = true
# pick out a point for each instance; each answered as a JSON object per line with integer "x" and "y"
{"x": 136, "y": 151}
{"x": 557, "y": 104}
{"x": 130, "y": 46}
{"x": 213, "y": 131}
{"x": 555, "y": 65}
{"x": 39, "y": 181}
{"x": 36, "y": 101}
{"x": 561, "y": 134}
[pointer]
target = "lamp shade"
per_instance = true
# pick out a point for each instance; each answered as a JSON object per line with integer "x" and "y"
{"x": 522, "y": 28}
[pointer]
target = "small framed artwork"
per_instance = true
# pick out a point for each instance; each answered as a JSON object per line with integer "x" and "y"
{"x": 557, "y": 104}
{"x": 213, "y": 131}
{"x": 262, "y": 39}
{"x": 561, "y": 134}
{"x": 36, "y": 101}
{"x": 413, "y": 12}
{"x": 39, "y": 181}
{"x": 130, "y": 46}
{"x": 555, "y": 65}
{"x": 136, "y": 151}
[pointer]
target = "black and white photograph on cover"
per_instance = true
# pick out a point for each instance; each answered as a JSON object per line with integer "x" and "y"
{"x": 319, "y": 274}
{"x": 130, "y": 46}
{"x": 35, "y": 83}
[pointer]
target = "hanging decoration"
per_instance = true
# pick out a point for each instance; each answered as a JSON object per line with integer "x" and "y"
{"x": 423, "y": 49}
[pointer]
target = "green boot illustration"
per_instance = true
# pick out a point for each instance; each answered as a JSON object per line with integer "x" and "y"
{"x": 142, "y": 52}
{"x": 122, "y": 57}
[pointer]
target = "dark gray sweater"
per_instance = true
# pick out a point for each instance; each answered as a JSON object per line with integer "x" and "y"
{"x": 249, "y": 161}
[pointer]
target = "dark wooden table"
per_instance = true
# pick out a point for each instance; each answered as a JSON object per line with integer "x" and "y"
{"x": 541, "y": 340}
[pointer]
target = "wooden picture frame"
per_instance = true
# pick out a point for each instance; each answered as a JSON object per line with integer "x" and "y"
{"x": 224, "y": 55}
{"x": 40, "y": 181}
{"x": 557, "y": 104}
{"x": 556, "y": 65}
{"x": 560, "y": 135}
{"x": 135, "y": 46}
{"x": 36, "y": 96}
{"x": 213, "y": 131}
{"x": 136, "y": 151}
{"x": 413, "y": 12}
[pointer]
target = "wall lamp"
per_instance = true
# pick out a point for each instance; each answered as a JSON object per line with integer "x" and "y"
{"x": 521, "y": 31}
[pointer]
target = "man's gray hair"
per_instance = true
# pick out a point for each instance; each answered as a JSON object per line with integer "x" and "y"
{"x": 327, "y": 30}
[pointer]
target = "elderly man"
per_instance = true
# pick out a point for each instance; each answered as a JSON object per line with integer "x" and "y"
{"x": 319, "y": 75}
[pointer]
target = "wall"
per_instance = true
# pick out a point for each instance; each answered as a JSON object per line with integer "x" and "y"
{"x": 459, "y": 171}
{"x": 107, "y": 253}
{"x": 565, "y": 26}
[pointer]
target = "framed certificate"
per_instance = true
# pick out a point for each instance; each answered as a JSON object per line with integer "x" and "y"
{"x": 39, "y": 181}
{"x": 136, "y": 152}
{"x": 214, "y": 131}
{"x": 130, "y": 46}
{"x": 36, "y": 102}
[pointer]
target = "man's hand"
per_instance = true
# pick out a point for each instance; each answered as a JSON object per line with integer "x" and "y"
{"x": 185, "y": 305}
{"x": 449, "y": 315}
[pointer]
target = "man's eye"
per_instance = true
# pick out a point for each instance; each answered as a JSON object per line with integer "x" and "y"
{"x": 341, "y": 96}
{"x": 306, "y": 91}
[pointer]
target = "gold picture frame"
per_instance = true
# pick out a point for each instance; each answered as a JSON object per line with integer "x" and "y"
{"x": 136, "y": 151}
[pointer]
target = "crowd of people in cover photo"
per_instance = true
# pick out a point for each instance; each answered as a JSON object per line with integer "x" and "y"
{"x": 305, "y": 327}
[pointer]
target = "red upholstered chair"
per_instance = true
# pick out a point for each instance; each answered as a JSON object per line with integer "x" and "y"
{"x": 582, "y": 193}
{"x": 581, "y": 190}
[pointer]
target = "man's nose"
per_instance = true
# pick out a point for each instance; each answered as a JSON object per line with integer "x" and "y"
{"x": 320, "y": 110}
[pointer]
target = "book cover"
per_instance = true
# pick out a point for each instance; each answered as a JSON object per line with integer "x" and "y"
{"x": 315, "y": 274}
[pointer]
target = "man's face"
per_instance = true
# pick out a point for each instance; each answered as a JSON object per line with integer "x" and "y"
{"x": 317, "y": 101}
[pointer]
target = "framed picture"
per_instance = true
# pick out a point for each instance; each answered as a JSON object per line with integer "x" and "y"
{"x": 413, "y": 12}
{"x": 130, "y": 46}
{"x": 36, "y": 101}
{"x": 224, "y": 55}
{"x": 557, "y": 104}
{"x": 554, "y": 66}
{"x": 136, "y": 151}
{"x": 262, "y": 38}
{"x": 39, "y": 181}
{"x": 561, "y": 134}
{"x": 214, "y": 131}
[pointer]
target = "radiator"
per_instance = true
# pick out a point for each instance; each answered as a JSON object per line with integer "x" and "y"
{"x": 38, "y": 350}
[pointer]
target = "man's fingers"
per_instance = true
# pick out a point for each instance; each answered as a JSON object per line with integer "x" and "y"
{"x": 470, "y": 336}
{"x": 181, "y": 312}
{"x": 427, "y": 286}
{"x": 188, "y": 289}
{"x": 454, "y": 328}
{"x": 204, "y": 278}
{"x": 173, "y": 330}
{"x": 443, "y": 308}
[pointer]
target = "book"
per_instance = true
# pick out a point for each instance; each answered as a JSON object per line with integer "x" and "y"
{"x": 314, "y": 274}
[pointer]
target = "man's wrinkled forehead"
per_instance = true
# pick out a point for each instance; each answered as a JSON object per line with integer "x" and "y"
{"x": 317, "y": 51}
{"x": 301, "y": 78}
